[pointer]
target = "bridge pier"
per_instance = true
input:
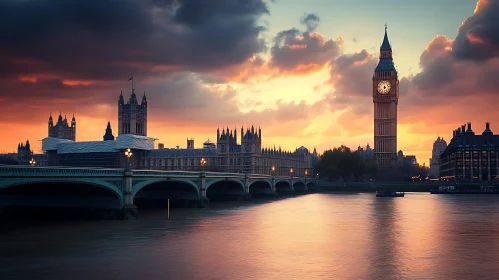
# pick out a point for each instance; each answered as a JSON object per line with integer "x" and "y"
{"x": 129, "y": 211}
{"x": 247, "y": 194}
{"x": 203, "y": 200}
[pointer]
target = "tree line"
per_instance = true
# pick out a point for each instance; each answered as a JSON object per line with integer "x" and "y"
{"x": 341, "y": 163}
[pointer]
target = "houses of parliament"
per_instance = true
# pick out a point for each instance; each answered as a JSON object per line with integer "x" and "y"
{"x": 228, "y": 154}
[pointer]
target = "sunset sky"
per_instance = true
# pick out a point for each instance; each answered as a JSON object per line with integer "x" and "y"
{"x": 299, "y": 69}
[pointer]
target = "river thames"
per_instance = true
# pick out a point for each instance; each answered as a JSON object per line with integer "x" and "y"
{"x": 315, "y": 236}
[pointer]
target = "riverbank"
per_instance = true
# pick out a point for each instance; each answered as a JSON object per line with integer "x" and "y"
{"x": 391, "y": 186}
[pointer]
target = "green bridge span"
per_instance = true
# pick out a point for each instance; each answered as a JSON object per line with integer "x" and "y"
{"x": 120, "y": 189}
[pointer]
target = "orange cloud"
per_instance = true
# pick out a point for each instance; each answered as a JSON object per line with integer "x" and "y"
{"x": 76, "y": 83}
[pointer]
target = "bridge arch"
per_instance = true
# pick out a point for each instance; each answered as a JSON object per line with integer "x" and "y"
{"x": 155, "y": 192}
{"x": 283, "y": 186}
{"x": 224, "y": 188}
{"x": 69, "y": 192}
{"x": 299, "y": 186}
{"x": 260, "y": 187}
{"x": 312, "y": 186}
{"x": 137, "y": 187}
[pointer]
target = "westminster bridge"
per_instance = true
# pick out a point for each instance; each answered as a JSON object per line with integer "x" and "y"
{"x": 105, "y": 188}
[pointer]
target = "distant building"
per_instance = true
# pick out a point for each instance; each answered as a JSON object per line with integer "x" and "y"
{"x": 10, "y": 158}
{"x": 109, "y": 133}
{"x": 471, "y": 157}
{"x": 438, "y": 148}
{"x": 161, "y": 146}
{"x": 366, "y": 153}
{"x": 408, "y": 160}
{"x": 190, "y": 143}
{"x": 250, "y": 157}
{"x": 24, "y": 153}
{"x": 132, "y": 116}
{"x": 62, "y": 129}
{"x": 107, "y": 154}
{"x": 209, "y": 145}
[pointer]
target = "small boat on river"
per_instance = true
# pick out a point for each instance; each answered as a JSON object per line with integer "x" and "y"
{"x": 389, "y": 194}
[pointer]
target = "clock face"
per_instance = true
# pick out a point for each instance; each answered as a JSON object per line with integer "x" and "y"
{"x": 384, "y": 87}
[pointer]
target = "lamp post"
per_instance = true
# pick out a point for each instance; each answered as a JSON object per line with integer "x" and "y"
{"x": 32, "y": 161}
{"x": 291, "y": 172}
{"x": 202, "y": 161}
{"x": 272, "y": 170}
{"x": 306, "y": 173}
{"x": 128, "y": 154}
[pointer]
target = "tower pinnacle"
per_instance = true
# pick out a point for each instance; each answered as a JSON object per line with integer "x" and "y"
{"x": 385, "y": 46}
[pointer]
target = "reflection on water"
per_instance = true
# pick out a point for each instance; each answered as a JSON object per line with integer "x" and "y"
{"x": 317, "y": 236}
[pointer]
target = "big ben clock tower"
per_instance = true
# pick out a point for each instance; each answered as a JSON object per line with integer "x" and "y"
{"x": 385, "y": 99}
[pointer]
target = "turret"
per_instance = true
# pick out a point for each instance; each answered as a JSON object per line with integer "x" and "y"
{"x": 73, "y": 121}
{"x": 121, "y": 100}
{"x": 59, "y": 119}
{"x": 51, "y": 122}
{"x": 133, "y": 98}
{"x": 144, "y": 100}
{"x": 109, "y": 133}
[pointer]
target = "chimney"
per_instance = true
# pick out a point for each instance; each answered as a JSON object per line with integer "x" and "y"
{"x": 469, "y": 127}
{"x": 453, "y": 134}
{"x": 463, "y": 129}
{"x": 487, "y": 130}
{"x": 458, "y": 131}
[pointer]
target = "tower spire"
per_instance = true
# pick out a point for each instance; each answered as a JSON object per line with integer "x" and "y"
{"x": 385, "y": 46}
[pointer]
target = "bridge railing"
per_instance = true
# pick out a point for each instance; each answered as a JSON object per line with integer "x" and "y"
{"x": 63, "y": 171}
{"x": 60, "y": 171}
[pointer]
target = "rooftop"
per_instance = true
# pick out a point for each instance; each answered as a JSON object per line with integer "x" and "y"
{"x": 124, "y": 141}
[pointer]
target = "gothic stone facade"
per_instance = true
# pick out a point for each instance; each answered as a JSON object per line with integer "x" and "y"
{"x": 229, "y": 156}
{"x": 470, "y": 157}
{"x": 132, "y": 116}
{"x": 385, "y": 99}
{"x": 62, "y": 129}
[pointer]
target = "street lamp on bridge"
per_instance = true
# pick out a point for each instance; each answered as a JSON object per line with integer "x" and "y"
{"x": 128, "y": 154}
{"x": 306, "y": 173}
{"x": 32, "y": 161}
{"x": 273, "y": 170}
{"x": 202, "y": 161}
{"x": 291, "y": 171}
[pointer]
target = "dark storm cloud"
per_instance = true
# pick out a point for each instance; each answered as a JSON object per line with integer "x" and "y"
{"x": 351, "y": 74}
{"x": 111, "y": 39}
{"x": 296, "y": 51}
{"x": 478, "y": 37}
{"x": 440, "y": 72}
